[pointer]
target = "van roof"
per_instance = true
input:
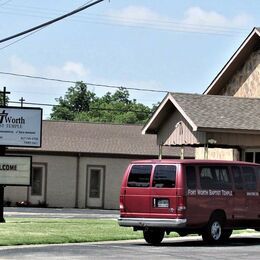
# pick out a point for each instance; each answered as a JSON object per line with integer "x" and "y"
{"x": 191, "y": 161}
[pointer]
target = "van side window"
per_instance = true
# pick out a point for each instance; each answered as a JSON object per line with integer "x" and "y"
{"x": 139, "y": 176}
{"x": 215, "y": 177}
{"x": 164, "y": 176}
{"x": 249, "y": 178}
{"x": 237, "y": 177}
{"x": 258, "y": 174}
{"x": 191, "y": 177}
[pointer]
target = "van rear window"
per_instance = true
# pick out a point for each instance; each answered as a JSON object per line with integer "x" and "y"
{"x": 164, "y": 176}
{"x": 139, "y": 176}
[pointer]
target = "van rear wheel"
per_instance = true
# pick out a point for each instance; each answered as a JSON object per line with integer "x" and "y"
{"x": 214, "y": 232}
{"x": 153, "y": 236}
{"x": 226, "y": 234}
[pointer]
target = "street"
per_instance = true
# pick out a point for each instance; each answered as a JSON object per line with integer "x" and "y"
{"x": 239, "y": 247}
{"x": 70, "y": 213}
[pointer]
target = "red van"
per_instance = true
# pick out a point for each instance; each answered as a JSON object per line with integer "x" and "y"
{"x": 205, "y": 197}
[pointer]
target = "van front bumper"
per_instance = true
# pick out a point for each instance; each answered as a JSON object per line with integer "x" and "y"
{"x": 152, "y": 222}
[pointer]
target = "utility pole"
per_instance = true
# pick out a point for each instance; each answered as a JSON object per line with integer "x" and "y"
{"x": 2, "y": 153}
{"x": 21, "y": 100}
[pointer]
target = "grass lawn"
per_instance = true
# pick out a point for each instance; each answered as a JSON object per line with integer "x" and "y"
{"x": 27, "y": 231}
{"x": 48, "y": 231}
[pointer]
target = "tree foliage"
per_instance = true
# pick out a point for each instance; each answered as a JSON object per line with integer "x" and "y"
{"x": 80, "y": 104}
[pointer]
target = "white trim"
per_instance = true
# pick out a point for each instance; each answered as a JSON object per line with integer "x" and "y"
{"x": 255, "y": 31}
{"x": 174, "y": 102}
{"x": 158, "y": 110}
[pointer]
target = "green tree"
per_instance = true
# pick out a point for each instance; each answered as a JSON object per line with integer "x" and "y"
{"x": 80, "y": 104}
{"x": 2, "y": 99}
{"x": 76, "y": 100}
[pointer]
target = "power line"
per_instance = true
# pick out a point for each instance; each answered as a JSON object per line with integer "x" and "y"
{"x": 27, "y": 35}
{"x": 165, "y": 24}
{"x": 91, "y": 108}
{"x": 87, "y": 83}
{"x": 6, "y": 2}
{"x": 51, "y": 21}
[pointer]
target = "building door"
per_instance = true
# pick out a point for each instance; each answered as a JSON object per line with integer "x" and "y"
{"x": 95, "y": 187}
{"x": 37, "y": 192}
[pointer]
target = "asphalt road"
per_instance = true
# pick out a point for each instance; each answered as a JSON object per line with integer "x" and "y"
{"x": 180, "y": 248}
{"x": 70, "y": 213}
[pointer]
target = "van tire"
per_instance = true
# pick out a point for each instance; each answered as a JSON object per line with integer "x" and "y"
{"x": 226, "y": 234}
{"x": 214, "y": 233}
{"x": 153, "y": 236}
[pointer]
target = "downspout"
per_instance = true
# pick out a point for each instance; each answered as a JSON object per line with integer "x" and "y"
{"x": 77, "y": 181}
{"x": 160, "y": 152}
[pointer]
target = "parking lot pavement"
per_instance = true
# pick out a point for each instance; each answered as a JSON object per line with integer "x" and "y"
{"x": 27, "y": 212}
{"x": 242, "y": 248}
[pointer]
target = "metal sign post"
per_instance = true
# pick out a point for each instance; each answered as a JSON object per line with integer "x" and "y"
{"x": 2, "y": 152}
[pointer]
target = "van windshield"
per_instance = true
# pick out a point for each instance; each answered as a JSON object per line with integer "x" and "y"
{"x": 139, "y": 176}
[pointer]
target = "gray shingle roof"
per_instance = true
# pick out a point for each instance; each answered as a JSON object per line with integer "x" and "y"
{"x": 95, "y": 138}
{"x": 221, "y": 112}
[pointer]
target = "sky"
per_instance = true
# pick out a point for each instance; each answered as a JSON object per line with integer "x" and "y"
{"x": 166, "y": 45}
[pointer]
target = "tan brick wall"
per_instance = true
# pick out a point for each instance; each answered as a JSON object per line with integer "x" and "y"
{"x": 217, "y": 154}
{"x": 246, "y": 81}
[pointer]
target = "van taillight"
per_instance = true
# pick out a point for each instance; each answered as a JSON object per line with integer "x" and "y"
{"x": 121, "y": 205}
{"x": 181, "y": 204}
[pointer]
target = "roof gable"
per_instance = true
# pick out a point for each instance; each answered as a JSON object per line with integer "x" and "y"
{"x": 250, "y": 44}
{"x": 167, "y": 106}
{"x": 210, "y": 112}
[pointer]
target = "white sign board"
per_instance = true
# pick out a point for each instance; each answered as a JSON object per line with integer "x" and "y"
{"x": 15, "y": 170}
{"x": 20, "y": 126}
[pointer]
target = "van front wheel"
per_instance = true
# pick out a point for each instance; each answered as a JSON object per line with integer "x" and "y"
{"x": 214, "y": 233}
{"x": 153, "y": 236}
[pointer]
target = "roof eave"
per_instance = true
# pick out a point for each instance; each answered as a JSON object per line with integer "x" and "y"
{"x": 227, "y": 130}
{"x": 148, "y": 129}
{"x": 214, "y": 85}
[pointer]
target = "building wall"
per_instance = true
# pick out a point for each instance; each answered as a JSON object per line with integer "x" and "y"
{"x": 61, "y": 182}
{"x": 216, "y": 154}
{"x": 114, "y": 171}
{"x": 177, "y": 131}
{"x": 246, "y": 81}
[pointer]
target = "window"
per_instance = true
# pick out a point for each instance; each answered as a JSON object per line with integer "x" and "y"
{"x": 249, "y": 157}
{"x": 249, "y": 178}
{"x": 236, "y": 172}
{"x": 191, "y": 177}
{"x": 257, "y": 157}
{"x": 37, "y": 178}
{"x": 164, "y": 176}
{"x": 95, "y": 180}
{"x": 139, "y": 176}
{"x": 215, "y": 177}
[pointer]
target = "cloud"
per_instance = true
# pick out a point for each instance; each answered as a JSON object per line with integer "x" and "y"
{"x": 39, "y": 91}
{"x": 194, "y": 19}
{"x": 198, "y": 16}
{"x": 69, "y": 70}
{"x": 20, "y": 66}
{"x": 133, "y": 15}
{"x": 75, "y": 68}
